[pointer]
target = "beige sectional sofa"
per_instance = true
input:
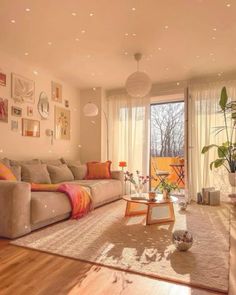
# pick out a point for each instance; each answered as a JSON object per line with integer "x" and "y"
{"x": 22, "y": 211}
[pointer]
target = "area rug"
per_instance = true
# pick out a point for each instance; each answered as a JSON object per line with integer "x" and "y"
{"x": 108, "y": 238}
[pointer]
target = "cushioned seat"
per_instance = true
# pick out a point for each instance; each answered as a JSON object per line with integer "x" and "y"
{"x": 48, "y": 205}
{"x": 103, "y": 190}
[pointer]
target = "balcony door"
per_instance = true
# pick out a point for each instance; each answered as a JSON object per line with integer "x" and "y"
{"x": 167, "y": 146}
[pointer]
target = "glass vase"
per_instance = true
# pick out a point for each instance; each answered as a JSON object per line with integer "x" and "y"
{"x": 138, "y": 189}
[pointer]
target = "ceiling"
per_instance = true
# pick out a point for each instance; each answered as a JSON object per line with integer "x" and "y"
{"x": 91, "y": 43}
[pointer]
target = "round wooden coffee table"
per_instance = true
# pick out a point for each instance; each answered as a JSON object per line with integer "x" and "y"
{"x": 158, "y": 211}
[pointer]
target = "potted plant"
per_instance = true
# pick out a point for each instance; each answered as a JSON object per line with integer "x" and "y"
{"x": 227, "y": 150}
{"x": 166, "y": 187}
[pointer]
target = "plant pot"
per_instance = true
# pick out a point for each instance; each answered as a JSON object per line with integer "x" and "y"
{"x": 232, "y": 179}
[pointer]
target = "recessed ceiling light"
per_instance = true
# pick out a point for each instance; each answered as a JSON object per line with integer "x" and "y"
{"x": 125, "y": 53}
{"x": 27, "y": 9}
{"x": 211, "y": 54}
{"x": 92, "y": 74}
{"x": 166, "y": 27}
{"x": 198, "y": 56}
{"x": 88, "y": 56}
{"x": 91, "y": 14}
{"x": 73, "y": 13}
{"x": 77, "y": 39}
{"x": 159, "y": 48}
{"x": 94, "y": 88}
{"x": 134, "y": 34}
{"x": 26, "y": 53}
{"x": 167, "y": 69}
{"x": 219, "y": 74}
{"x": 83, "y": 31}
{"x": 49, "y": 43}
{"x": 213, "y": 38}
{"x": 177, "y": 83}
{"x": 126, "y": 34}
{"x": 13, "y": 21}
{"x": 35, "y": 72}
{"x": 214, "y": 29}
{"x": 228, "y": 4}
{"x": 133, "y": 9}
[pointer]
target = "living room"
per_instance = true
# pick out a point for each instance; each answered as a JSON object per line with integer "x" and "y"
{"x": 117, "y": 147}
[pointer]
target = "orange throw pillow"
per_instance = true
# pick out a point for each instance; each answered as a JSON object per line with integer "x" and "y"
{"x": 97, "y": 170}
{"x": 6, "y": 173}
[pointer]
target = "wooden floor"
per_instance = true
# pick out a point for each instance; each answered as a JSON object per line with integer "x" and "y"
{"x": 28, "y": 272}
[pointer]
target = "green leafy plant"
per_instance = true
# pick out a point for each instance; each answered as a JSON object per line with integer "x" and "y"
{"x": 168, "y": 186}
{"x": 227, "y": 150}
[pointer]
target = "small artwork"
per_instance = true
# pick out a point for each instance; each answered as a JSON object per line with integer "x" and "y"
{"x": 3, "y": 110}
{"x": 22, "y": 89}
{"x": 3, "y": 79}
{"x": 15, "y": 111}
{"x": 56, "y": 92}
{"x": 30, "y": 111}
{"x": 30, "y": 128}
{"x": 67, "y": 103}
{"x": 62, "y": 123}
{"x": 14, "y": 125}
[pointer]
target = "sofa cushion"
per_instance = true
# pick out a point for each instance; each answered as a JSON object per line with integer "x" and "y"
{"x": 79, "y": 171}
{"x": 37, "y": 173}
{"x": 60, "y": 173}
{"x": 103, "y": 190}
{"x": 48, "y": 205}
{"x": 6, "y": 162}
{"x": 17, "y": 172}
{"x": 56, "y": 162}
{"x": 98, "y": 170}
{"x": 6, "y": 173}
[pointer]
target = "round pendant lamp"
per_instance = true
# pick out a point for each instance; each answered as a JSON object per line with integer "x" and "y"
{"x": 90, "y": 110}
{"x": 138, "y": 84}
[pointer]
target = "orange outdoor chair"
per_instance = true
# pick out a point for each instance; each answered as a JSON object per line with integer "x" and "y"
{"x": 161, "y": 174}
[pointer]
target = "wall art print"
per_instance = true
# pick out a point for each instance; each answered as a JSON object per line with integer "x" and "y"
{"x": 3, "y": 110}
{"x": 30, "y": 127}
{"x": 3, "y": 79}
{"x": 15, "y": 111}
{"x": 56, "y": 92}
{"x": 22, "y": 89}
{"x": 62, "y": 123}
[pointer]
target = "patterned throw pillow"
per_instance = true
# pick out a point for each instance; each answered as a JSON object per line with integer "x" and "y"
{"x": 97, "y": 170}
{"x": 6, "y": 173}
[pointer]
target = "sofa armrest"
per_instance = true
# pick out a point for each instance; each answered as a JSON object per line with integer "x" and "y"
{"x": 14, "y": 208}
{"x": 119, "y": 175}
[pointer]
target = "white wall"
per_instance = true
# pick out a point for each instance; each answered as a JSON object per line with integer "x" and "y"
{"x": 16, "y": 146}
{"x": 91, "y": 133}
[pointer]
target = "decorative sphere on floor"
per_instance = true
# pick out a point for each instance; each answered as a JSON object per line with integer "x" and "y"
{"x": 182, "y": 240}
{"x": 183, "y": 205}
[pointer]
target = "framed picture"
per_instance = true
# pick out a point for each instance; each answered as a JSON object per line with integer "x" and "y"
{"x": 14, "y": 125}
{"x": 15, "y": 111}
{"x": 30, "y": 111}
{"x": 62, "y": 123}
{"x": 22, "y": 89}
{"x": 56, "y": 92}
{"x": 67, "y": 103}
{"x": 3, "y": 79}
{"x": 30, "y": 127}
{"x": 3, "y": 110}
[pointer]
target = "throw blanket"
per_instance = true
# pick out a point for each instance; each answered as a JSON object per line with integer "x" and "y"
{"x": 80, "y": 199}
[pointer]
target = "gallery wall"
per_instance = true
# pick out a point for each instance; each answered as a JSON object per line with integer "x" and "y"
{"x": 15, "y": 146}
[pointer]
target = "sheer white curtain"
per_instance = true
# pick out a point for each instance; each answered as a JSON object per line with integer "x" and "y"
{"x": 129, "y": 132}
{"x": 203, "y": 117}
